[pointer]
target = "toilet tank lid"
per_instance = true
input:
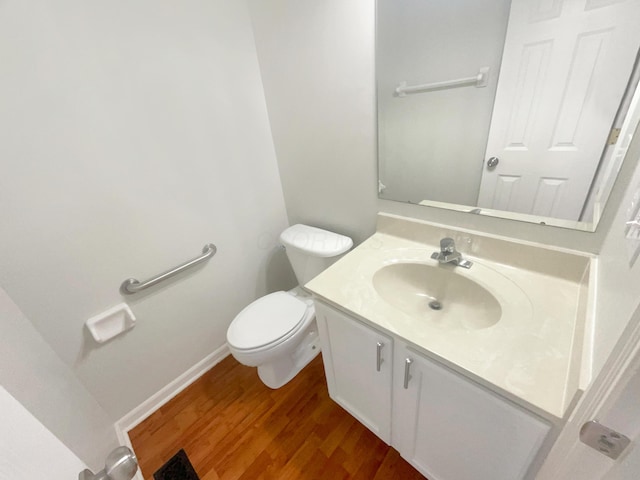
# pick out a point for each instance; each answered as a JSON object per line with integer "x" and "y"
{"x": 315, "y": 241}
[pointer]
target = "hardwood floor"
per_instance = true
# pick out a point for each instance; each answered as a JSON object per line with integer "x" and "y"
{"x": 233, "y": 427}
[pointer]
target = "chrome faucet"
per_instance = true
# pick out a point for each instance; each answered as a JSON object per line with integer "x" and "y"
{"x": 449, "y": 254}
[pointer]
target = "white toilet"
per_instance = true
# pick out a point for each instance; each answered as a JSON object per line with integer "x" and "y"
{"x": 277, "y": 333}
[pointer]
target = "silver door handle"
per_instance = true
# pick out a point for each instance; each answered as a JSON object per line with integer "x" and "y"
{"x": 492, "y": 162}
{"x": 121, "y": 464}
{"x": 379, "y": 360}
{"x": 407, "y": 376}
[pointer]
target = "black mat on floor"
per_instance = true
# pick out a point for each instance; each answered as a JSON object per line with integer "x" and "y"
{"x": 177, "y": 468}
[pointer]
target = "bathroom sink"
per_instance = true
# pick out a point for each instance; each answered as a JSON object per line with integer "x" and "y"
{"x": 516, "y": 319}
{"x": 438, "y": 295}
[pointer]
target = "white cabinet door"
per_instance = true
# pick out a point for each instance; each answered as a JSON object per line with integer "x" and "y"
{"x": 450, "y": 428}
{"x": 358, "y": 363}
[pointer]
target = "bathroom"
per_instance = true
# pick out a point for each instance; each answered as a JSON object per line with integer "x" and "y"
{"x": 133, "y": 133}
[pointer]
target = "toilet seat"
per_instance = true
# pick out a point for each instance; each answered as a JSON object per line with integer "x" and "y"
{"x": 268, "y": 321}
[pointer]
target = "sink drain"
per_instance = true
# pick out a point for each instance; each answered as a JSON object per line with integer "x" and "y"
{"x": 435, "y": 305}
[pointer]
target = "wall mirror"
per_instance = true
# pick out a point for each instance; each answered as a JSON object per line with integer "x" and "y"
{"x": 520, "y": 109}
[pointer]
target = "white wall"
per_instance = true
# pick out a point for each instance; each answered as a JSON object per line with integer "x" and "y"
{"x": 316, "y": 60}
{"x": 35, "y": 376}
{"x": 618, "y": 279}
{"x": 618, "y": 297}
{"x": 317, "y": 63}
{"x": 131, "y": 134}
{"x": 28, "y": 450}
{"x": 432, "y": 140}
{"x": 625, "y": 417}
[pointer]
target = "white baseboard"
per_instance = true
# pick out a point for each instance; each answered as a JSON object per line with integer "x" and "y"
{"x": 157, "y": 400}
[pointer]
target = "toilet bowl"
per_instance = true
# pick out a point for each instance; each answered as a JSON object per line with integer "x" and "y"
{"x": 277, "y": 333}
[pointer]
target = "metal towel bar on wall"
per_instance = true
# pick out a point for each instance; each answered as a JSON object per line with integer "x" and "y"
{"x": 480, "y": 80}
{"x": 132, "y": 285}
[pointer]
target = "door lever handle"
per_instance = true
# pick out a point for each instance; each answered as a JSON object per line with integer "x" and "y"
{"x": 121, "y": 464}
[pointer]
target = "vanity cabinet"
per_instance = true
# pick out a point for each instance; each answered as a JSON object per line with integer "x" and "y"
{"x": 443, "y": 423}
{"x": 451, "y": 428}
{"x": 357, "y": 361}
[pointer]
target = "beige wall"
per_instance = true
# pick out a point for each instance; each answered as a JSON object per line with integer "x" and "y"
{"x": 132, "y": 134}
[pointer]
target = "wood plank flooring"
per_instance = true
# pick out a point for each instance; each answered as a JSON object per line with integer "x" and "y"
{"x": 232, "y": 427}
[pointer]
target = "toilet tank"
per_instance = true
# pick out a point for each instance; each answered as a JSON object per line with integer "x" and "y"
{"x": 311, "y": 250}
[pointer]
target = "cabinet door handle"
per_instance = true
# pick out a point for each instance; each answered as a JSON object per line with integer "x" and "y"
{"x": 407, "y": 376}
{"x": 379, "y": 360}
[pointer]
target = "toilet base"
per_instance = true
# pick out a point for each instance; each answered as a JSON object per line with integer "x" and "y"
{"x": 281, "y": 370}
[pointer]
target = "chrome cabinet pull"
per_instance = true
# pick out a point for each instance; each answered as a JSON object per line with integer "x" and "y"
{"x": 407, "y": 376}
{"x": 379, "y": 360}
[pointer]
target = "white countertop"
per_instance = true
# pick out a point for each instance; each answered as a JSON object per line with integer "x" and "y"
{"x": 532, "y": 353}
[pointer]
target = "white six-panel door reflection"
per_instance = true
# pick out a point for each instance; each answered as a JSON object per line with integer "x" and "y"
{"x": 569, "y": 61}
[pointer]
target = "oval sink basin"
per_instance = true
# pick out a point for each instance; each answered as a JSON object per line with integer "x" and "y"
{"x": 438, "y": 295}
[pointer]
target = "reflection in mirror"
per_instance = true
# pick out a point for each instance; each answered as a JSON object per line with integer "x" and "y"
{"x": 514, "y": 108}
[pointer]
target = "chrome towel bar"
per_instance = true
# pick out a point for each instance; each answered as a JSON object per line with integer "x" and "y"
{"x": 478, "y": 81}
{"x": 132, "y": 285}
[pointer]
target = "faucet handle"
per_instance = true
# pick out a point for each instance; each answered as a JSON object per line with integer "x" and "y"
{"x": 447, "y": 245}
